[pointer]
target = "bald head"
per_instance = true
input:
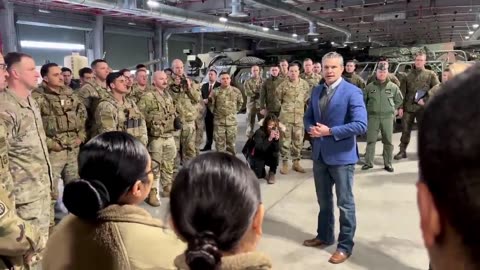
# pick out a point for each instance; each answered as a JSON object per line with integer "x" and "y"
{"x": 160, "y": 80}
{"x": 177, "y": 66}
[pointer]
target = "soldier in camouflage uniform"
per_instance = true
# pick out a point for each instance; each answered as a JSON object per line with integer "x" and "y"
{"x": 185, "y": 98}
{"x": 382, "y": 99}
{"x": 128, "y": 79}
{"x": 311, "y": 78}
{"x": 225, "y": 102}
{"x": 140, "y": 87}
{"x": 269, "y": 99}
{"x": 63, "y": 117}
{"x": 200, "y": 120}
{"x": 253, "y": 88}
{"x": 118, "y": 113}
{"x": 91, "y": 93}
{"x": 418, "y": 80}
{"x": 19, "y": 240}
{"x": 293, "y": 93}
{"x": 350, "y": 76}
{"x": 160, "y": 113}
{"x": 29, "y": 162}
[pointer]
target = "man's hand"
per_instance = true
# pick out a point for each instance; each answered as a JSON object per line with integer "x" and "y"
{"x": 324, "y": 130}
{"x": 421, "y": 102}
{"x": 277, "y": 135}
{"x": 189, "y": 83}
{"x": 400, "y": 113}
{"x": 315, "y": 132}
{"x": 57, "y": 147}
{"x": 263, "y": 112}
{"x": 212, "y": 94}
{"x": 78, "y": 141}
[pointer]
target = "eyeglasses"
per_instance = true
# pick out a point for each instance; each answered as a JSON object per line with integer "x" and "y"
{"x": 3, "y": 67}
{"x": 155, "y": 168}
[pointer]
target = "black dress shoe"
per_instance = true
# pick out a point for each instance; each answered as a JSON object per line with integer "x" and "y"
{"x": 366, "y": 167}
{"x": 389, "y": 168}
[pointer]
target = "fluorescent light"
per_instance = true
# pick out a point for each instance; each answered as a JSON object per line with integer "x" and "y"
{"x": 315, "y": 39}
{"x": 467, "y": 37}
{"x": 355, "y": 47}
{"x": 470, "y": 32}
{"x": 44, "y": 11}
{"x": 275, "y": 28}
{"x": 475, "y": 26}
{"x": 51, "y": 45}
{"x": 132, "y": 23}
{"x": 223, "y": 19}
{"x": 333, "y": 43}
{"x": 153, "y": 4}
{"x": 265, "y": 29}
{"x": 294, "y": 35}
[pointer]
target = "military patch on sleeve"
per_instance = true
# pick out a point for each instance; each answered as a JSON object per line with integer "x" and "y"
{"x": 3, "y": 210}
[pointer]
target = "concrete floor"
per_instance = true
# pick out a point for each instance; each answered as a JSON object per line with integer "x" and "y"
{"x": 387, "y": 237}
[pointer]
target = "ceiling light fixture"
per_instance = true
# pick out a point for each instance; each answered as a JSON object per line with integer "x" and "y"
{"x": 315, "y": 39}
{"x": 132, "y": 23}
{"x": 223, "y": 19}
{"x": 467, "y": 37}
{"x": 355, "y": 47}
{"x": 333, "y": 43}
{"x": 475, "y": 26}
{"x": 294, "y": 35}
{"x": 153, "y": 4}
{"x": 51, "y": 45}
{"x": 470, "y": 32}
{"x": 44, "y": 11}
{"x": 265, "y": 29}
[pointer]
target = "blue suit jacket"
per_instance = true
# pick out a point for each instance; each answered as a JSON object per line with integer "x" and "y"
{"x": 346, "y": 116}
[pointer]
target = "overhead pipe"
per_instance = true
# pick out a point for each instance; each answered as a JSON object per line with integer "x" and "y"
{"x": 301, "y": 14}
{"x": 170, "y": 13}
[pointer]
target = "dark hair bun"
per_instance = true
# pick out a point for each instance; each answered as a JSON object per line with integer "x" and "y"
{"x": 203, "y": 253}
{"x": 85, "y": 198}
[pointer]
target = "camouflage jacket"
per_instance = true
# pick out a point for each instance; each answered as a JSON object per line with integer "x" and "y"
{"x": 253, "y": 88}
{"x": 382, "y": 99}
{"x": 63, "y": 116}
{"x": 185, "y": 102}
{"x": 136, "y": 92}
{"x": 111, "y": 116}
{"x": 27, "y": 148}
{"x": 354, "y": 79}
{"x": 90, "y": 94}
{"x": 225, "y": 104}
{"x": 292, "y": 99}
{"x": 312, "y": 80}
{"x": 269, "y": 98}
{"x": 418, "y": 80}
{"x": 6, "y": 181}
{"x": 17, "y": 237}
{"x": 159, "y": 112}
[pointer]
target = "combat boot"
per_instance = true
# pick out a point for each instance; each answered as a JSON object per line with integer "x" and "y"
{"x": 166, "y": 192}
{"x": 284, "y": 169}
{"x": 402, "y": 154}
{"x": 297, "y": 167}
{"x": 152, "y": 198}
{"x": 271, "y": 178}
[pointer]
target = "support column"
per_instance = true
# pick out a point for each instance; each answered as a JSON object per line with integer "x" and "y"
{"x": 158, "y": 46}
{"x": 231, "y": 42}
{"x": 202, "y": 42}
{"x": 8, "y": 31}
{"x": 98, "y": 37}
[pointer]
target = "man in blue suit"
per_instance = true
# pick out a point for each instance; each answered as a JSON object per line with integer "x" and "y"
{"x": 335, "y": 115}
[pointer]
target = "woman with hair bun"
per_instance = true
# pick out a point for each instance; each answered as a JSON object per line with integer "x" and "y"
{"x": 106, "y": 228}
{"x": 216, "y": 207}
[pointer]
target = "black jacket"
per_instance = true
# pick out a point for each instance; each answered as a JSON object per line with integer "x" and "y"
{"x": 205, "y": 89}
{"x": 263, "y": 147}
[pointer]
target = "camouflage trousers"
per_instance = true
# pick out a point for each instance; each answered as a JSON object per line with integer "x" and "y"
{"x": 64, "y": 166}
{"x": 163, "y": 152}
{"x": 185, "y": 142}
{"x": 291, "y": 141}
{"x": 253, "y": 116}
{"x": 200, "y": 126}
{"x": 407, "y": 126}
{"x": 224, "y": 138}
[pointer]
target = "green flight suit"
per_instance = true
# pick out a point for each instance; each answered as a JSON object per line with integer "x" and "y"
{"x": 381, "y": 99}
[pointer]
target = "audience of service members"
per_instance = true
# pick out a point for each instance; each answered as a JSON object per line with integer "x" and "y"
{"x": 116, "y": 140}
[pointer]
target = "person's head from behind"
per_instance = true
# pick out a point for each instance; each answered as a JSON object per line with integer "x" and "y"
{"x": 21, "y": 70}
{"x": 114, "y": 168}
{"x": 223, "y": 213}
{"x": 449, "y": 153}
{"x": 453, "y": 70}
{"x": 270, "y": 123}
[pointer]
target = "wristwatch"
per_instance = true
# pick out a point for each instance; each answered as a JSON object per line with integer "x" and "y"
{"x": 330, "y": 131}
